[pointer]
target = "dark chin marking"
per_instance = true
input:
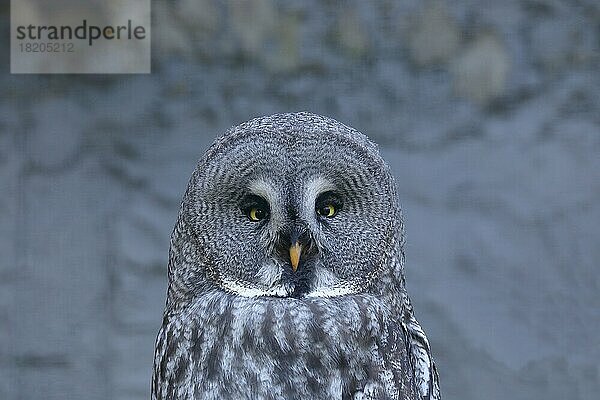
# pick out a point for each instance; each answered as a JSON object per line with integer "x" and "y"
{"x": 301, "y": 280}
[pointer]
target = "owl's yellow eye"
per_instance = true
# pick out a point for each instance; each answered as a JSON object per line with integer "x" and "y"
{"x": 328, "y": 204}
{"x": 256, "y": 214}
{"x": 327, "y": 210}
{"x": 255, "y": 208}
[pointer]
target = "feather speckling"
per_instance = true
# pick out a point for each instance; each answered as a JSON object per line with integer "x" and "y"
{"x": 240, "y": 323}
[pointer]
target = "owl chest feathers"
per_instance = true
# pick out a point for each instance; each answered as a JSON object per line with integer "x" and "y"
{"x": 225, "y": 346}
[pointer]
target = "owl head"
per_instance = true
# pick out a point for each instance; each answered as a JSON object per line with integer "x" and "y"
{"x": 290, "y": 205}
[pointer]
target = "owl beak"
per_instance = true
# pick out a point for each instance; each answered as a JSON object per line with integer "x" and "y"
{"x": 295, "y": 250}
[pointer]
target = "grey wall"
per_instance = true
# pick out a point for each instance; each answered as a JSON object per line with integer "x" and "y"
{"x": 488, "y": 112}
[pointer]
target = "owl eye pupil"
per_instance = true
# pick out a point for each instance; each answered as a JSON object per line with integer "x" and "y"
{"x": 327, "y": 210}
{"x": 255, "y": 208}
{"x": 328, "y": 204}
{"x": 257, "y": 214}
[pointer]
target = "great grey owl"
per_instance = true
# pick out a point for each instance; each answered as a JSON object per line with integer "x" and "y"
{"x": 286, "y": 273}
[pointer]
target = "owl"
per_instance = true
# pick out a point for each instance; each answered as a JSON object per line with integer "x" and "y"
{"x": 286, "y": 273}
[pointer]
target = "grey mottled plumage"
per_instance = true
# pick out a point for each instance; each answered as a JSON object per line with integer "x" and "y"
{"x": 245, "y": 321}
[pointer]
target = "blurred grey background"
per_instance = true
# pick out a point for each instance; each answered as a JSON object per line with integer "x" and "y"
{"x": 488, "y": 112}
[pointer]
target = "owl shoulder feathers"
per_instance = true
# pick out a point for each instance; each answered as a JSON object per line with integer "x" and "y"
{"x": 425, "y": 372}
